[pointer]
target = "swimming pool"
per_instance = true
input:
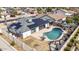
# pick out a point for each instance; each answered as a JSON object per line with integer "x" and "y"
{"x": 54, "y": 34}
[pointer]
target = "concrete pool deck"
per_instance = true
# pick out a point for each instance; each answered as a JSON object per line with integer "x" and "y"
{"x": 39, "y": 34}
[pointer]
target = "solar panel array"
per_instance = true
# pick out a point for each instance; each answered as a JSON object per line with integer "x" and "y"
{"x": 22, "y": 25}
{"x": 38, "y": 22}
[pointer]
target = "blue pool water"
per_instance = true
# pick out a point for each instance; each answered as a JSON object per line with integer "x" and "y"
{"x": 54, "y": 34}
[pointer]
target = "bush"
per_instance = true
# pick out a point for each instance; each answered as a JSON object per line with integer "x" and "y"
{"x": 78, "y": 31}
{"x": 72, "y": 40}
{"x": 76, "y": 34}
{"x": 67, "y": 48}
{"x": 70, "y": 44}
{"x": 69, "y": 20}
{"x": 12, "y": 43}
{"x": 12, "y": 15}
{"x": 74, "y": 37}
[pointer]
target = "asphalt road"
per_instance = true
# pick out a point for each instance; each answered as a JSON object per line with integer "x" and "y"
{"x": 3, "y": 21}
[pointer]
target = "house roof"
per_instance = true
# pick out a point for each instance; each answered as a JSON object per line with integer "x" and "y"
{"x": 57, "y": 14}
{"x": 38, "y": 22}
{"x": 23, "y": 25}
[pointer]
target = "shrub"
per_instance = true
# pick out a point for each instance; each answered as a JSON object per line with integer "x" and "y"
{"x": 72, "y": 40}
{"x": 76, "y": 34}
{"x": 78, "y": 31}
{"x": 74, "y": 37}
{"x": 70, "y": 44}
{"x": 69, "y": 20}
{"x": 12, "y": 43}
{"x": 12, "y": 15}
{"x": 67, "y": 48}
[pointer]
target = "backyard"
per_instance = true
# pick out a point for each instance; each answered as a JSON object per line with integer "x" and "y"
{"x": 36, "y": 43}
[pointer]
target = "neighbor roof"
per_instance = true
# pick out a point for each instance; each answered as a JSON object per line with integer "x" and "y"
{"x": 57, "y": 14}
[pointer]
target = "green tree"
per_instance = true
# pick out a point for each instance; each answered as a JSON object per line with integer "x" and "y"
{"x": 69, "y": 20}
{"x": 49, "y": 9}
{"x": 67, "y": 48}
{"x": 13, "y": 12}
{"x": 76, "y": 18}
{"x": 12, "y": 43}
{"x": 70, "y": 44}
{"x": 39, "y": 10}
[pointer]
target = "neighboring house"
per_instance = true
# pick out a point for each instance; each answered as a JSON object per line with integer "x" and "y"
{"x": 61, "y": 14}
{"x": 25, "y": 26}
{"x": 70, "y": 13}
{"x": 31, "y": 11}
{"x": 58, "y": 15}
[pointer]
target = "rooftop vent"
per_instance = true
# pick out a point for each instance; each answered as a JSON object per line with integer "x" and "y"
{"x": 29, "y": 20}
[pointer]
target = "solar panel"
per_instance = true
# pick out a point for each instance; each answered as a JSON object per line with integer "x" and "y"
{"x": 38, "y": 22}
{"x": 13, "y": 24}
{"x": 22, "y": 25}
{"x": 16, "y": 25}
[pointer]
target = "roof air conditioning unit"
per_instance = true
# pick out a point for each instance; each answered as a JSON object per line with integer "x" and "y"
{"x": 29, "y": 20}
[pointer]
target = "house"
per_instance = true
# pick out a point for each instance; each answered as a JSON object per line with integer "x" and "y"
{"x": 31, "y": 11}
{"x": 26, "y": 26}
{"x": 58, "y": 14}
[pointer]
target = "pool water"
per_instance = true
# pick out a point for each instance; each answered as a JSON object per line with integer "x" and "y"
{"x": 54, "y": 34}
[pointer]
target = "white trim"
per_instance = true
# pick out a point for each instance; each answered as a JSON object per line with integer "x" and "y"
{"x": 25, "y": 34}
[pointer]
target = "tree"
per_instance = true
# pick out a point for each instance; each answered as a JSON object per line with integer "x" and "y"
{"x": 13, "y": 12}
{"x": 39, "y": 10}
{"x": 12, "y": 43}
{"x": 67, "y": 48}
{"x": 72, "y": 40}
{"x": 49, "y": 9}
{"x": 69, "y": 20}
{"x": 76, "y": 18}
{"x": 70, "y": 44}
